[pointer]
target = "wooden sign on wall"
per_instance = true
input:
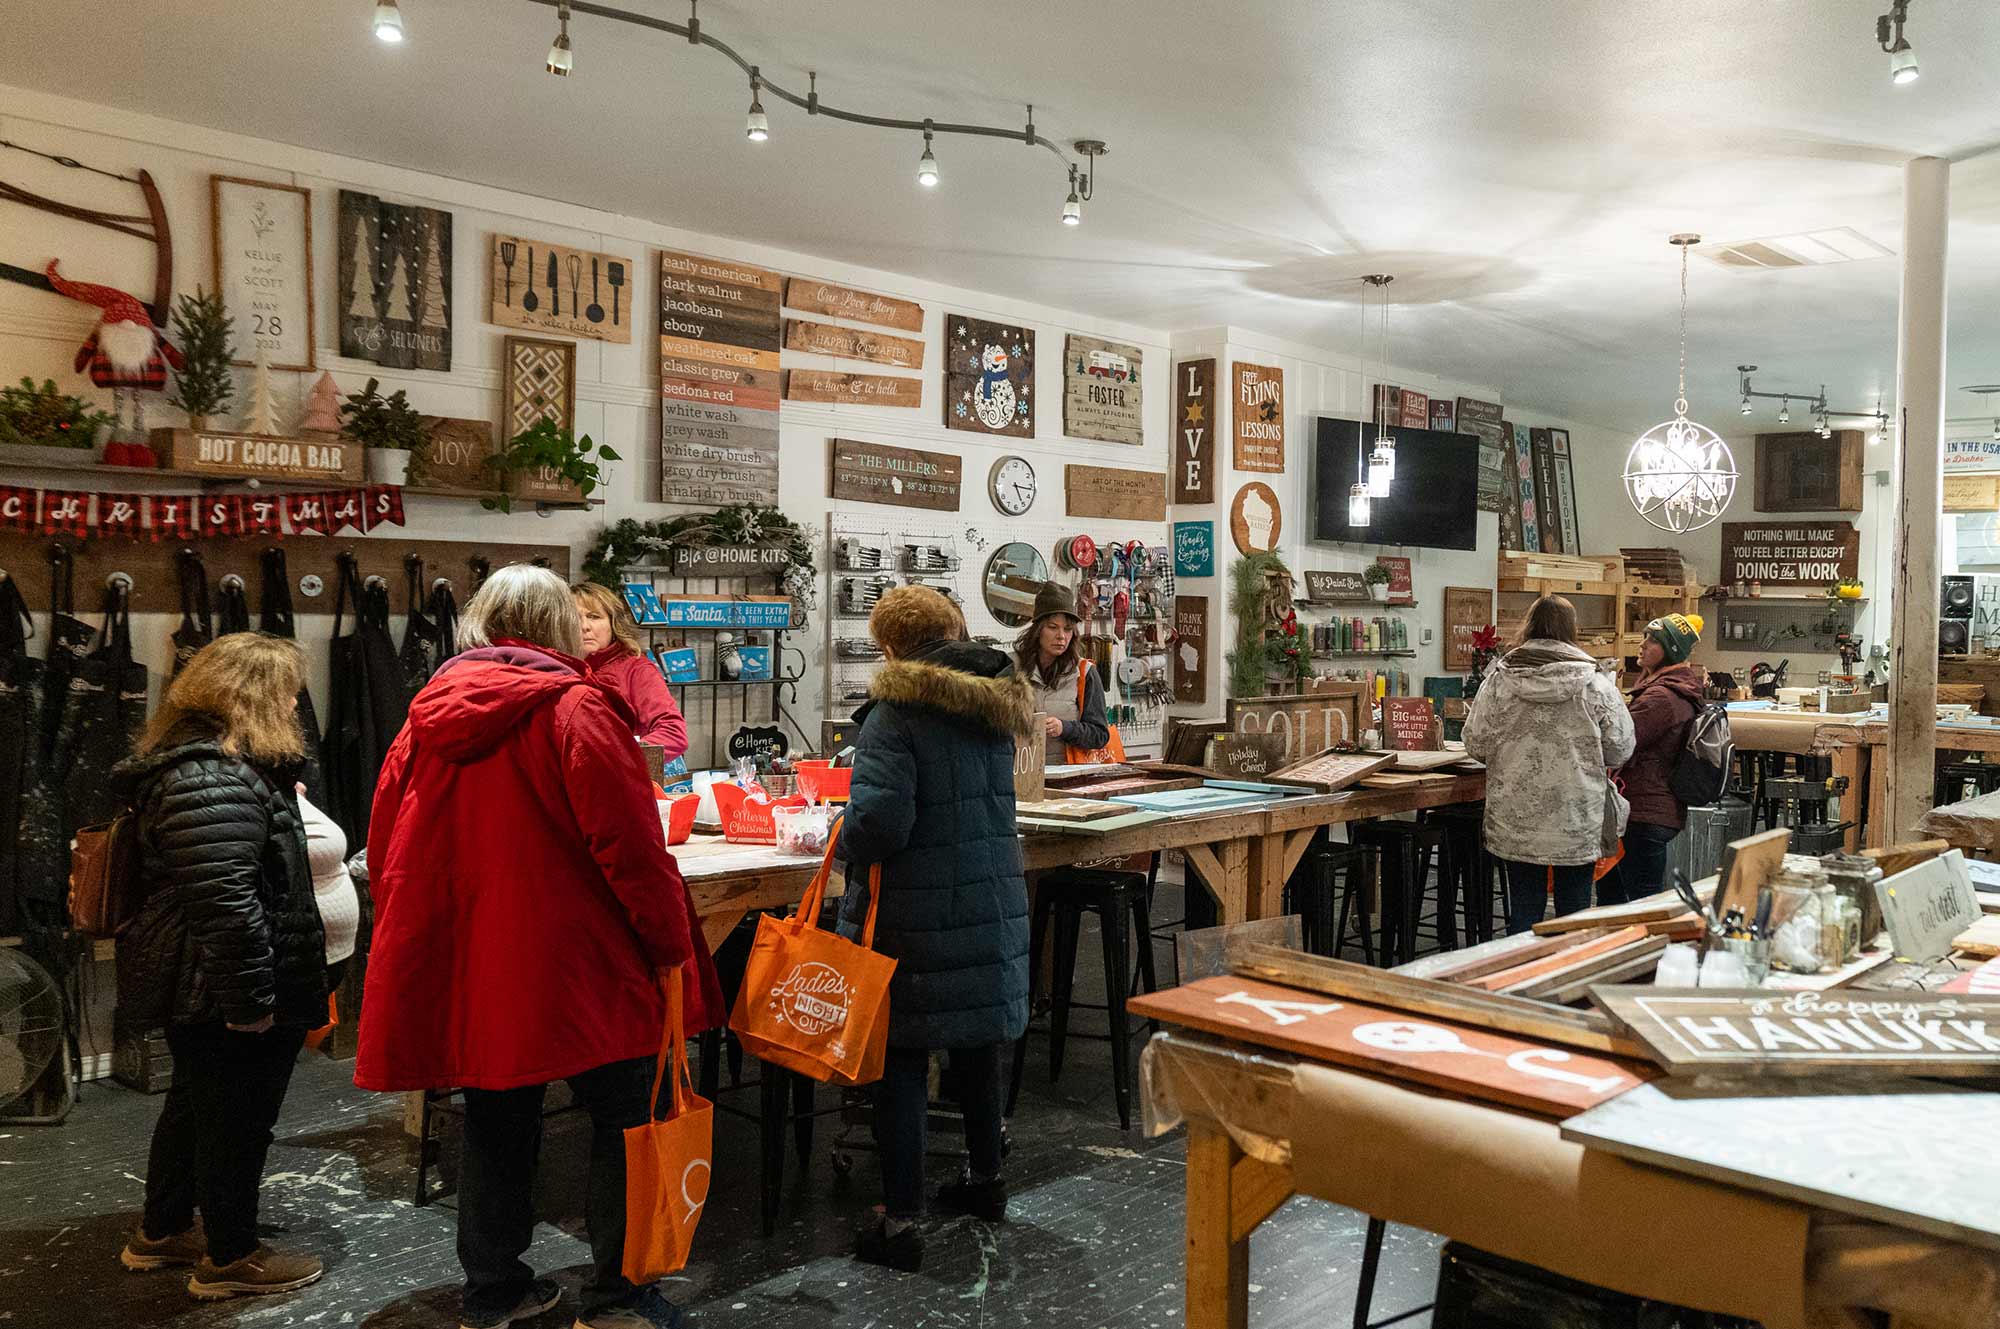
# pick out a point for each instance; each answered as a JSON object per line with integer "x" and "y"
{"x": 810, "y": 295}
{"x": 1548, "y": 505}
{"x": 904, "y": 477}
{"x": 1309, "y": 722}
{"x": 1255, "y": 519}
{"x": 852, "y": 389}
{"x": 1524, "y": 474}
{"x": 719, "y": 334}
{"x": 1805, "y": 553}
{"x": 1410, "y": 725}
{"x": 1257, "y": 408}
{"x": 1110, "y": 491}
{"x": 1804, "y": 1033}
{"x": 727, "y": 560}
{"x": 1467, "y": 609}
{"x": 1191, "y": 648}
{"x": 1329, "y": 588}
{"x": 1194, "y": 549}
{"x": 853, "y": 344}
{"x": 461, "y": 454}
{"x": 1101, "y": 390}
{"x": 263, "y": 268}
{"x": 1572, "y": 527}
{"x": 590, "y": 294}
{"x": 1194, "y": 431}
{"x": 1807, "y": 473}
{"x": 538, "y": 382}
{"x": 1971, "y": 493}
{"x": 1481, "y": 419}
{"x": 394, "y": 270}
{"x": 989, "y": 377}
{"x": 1402, "y": 578}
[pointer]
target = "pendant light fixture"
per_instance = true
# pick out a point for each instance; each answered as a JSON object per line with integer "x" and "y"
{"x": 1358, "y": 506}
{"x": 758, "y": 127}
{"x": 1680, "y": 475}
{"x": 561, "y": 59}
{"x": 1382, "y": 459}
{"x": 1072, "y": 214}
{"x": 388, "y": 22}
{"x": 927, "y": 170}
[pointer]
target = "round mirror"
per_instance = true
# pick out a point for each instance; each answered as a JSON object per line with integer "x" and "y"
{"x": 1014, "y": 575}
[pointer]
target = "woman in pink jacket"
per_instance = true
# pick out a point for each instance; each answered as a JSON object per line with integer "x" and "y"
{"x": 612, "y": 650}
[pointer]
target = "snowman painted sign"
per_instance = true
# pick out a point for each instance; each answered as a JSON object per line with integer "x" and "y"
{"x": 989, "y": 383}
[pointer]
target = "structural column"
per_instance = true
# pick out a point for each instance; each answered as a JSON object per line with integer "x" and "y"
{"x": 1912, "y": 752}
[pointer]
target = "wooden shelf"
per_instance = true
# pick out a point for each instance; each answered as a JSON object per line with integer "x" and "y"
{"x": 1555, "y": 586}
{"x": 1348, "y": 604}
{"x": 1366, "y": 655}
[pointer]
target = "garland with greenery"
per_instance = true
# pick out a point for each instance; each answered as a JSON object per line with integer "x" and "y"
{"x": 47, "y": 417}
{"x": 628, "y": 542}
{"x": 1260, "y": 649}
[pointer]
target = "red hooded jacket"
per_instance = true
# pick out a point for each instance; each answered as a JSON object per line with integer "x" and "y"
{"x": 524, "y": 895}
{"x": 1661, "y": 708}
{"x": 633, "y": 677}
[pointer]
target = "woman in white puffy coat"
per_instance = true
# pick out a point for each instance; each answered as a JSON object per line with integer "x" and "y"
{"x": 1550, "y": 725}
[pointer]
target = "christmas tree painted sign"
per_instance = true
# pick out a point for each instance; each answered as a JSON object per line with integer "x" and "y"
{"x": 1101, "y": 390}
{"x": 395, "y": 283}
{"x": 989, "y": 377}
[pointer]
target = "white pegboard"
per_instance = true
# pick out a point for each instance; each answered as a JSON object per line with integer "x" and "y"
{"x": 972, "y": 543}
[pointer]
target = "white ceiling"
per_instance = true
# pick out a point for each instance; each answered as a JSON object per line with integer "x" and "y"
{"x": 1517, "y": 164}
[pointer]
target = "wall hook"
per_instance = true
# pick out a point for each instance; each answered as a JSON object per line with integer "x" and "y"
{"x": 119, "y": 581}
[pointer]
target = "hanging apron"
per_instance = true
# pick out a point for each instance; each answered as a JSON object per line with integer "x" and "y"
{"x": 274, "y": 615}
{"x": 367, "y": 704}
{"x": 233, "y": 611}
{"x": 20, "y": 690}
{"x": 197, "y": 627}
{"x": 418, "y": 659}
{"x": 41, "y": 845}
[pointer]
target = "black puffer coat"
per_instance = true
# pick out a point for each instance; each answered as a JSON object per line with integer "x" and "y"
{"x": 230, "y": 929}
{"x": 933, "y": 803}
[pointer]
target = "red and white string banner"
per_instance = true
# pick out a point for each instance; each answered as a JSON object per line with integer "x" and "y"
{"x": 81, "y": 514}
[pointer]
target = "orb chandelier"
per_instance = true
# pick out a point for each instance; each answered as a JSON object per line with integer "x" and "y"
{"x": 1680, "y": 475}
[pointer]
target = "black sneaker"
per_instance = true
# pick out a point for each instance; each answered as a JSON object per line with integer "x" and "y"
{"x": 540, "y": 1298}
{"x": 904, "y": 1251}
{"x": 981, "y": 1199}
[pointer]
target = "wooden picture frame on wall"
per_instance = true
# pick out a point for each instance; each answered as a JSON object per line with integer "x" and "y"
{"x": 261, "y": 242}
{"x": 1803, "y": 472}
{"x": 538, "y": 381}
{"x": 1467, "y": 609}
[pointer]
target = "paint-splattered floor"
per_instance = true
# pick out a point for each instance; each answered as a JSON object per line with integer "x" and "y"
{"x": 1093, "y": 1238}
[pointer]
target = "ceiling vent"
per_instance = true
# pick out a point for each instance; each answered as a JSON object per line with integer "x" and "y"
{"x": 1806, "y": 249}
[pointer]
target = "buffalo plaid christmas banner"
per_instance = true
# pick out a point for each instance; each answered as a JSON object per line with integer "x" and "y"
{"x": 80, "y": 514}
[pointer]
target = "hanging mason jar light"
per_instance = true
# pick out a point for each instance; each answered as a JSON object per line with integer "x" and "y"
{"x": 1382, "y": 459}
{"x": 1680, "y": 475}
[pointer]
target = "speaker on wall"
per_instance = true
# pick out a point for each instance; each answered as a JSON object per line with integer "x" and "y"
{"x": 1955, "y": 597}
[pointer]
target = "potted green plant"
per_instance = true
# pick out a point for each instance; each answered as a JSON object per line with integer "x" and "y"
{"x": 1377, "y": 577}
{"x": 546, "y": 463}
{"x": 202, "y": 386}
{"x": 390, "y": 429}
{"x": 41, "y": 422}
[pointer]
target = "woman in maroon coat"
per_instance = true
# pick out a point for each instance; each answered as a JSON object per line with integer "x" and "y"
{"x": 527, "y": 914}
{"x": 1667, "y": 696}
{"x": 612, "y": 650}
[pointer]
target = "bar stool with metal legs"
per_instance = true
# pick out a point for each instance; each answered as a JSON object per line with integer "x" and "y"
{"x": 1469, "y": 869}
{"x": 1406, "y": 850}
{"x": 1315, "y": 894}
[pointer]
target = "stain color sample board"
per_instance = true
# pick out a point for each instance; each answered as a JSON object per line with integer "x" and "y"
{"x": 1458, "y": 1059}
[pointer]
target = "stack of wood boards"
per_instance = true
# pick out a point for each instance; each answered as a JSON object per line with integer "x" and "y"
{"x": 1663, "y": 567}
{"x": 1556, "y": 567}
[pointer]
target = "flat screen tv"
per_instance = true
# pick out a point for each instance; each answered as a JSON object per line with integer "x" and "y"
{"x": 1434, "y": 503}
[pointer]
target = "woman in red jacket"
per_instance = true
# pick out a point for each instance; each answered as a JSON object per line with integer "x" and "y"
{"x": 612, "y": 649}
{"x": 526, "y": 915}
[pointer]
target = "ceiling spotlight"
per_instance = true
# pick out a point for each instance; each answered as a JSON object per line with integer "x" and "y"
{"x": 1996, "y": 427}
{"x": 561, "y": 60}
{"x": 1745, "y": 407}
{"x": 757, "y": 128}
{"x": 1072, "y": 206}
{"x": 927, "y": 171}
{"x": 1889, "y": 36}
{"x": 1785, "y": 413}
{"x": 388, "y": 21}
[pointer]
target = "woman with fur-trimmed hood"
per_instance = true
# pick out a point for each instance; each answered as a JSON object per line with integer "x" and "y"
{"x": 933, "y": 803}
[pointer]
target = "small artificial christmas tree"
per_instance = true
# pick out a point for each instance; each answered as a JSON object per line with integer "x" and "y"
{"x": 361, "y": 291}
{"x": 433, "y": 281}
{"x": 203, "y": 386}
{"x": 398, "y": 308}
{"x": 322, "y": 409}
{"x": 263, "y": 417}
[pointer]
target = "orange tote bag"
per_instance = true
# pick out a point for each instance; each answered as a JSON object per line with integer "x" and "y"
{"x": 1114, "y": 746}
{"x": 667, "y": 1162}
{"x": 812, "y": 1001}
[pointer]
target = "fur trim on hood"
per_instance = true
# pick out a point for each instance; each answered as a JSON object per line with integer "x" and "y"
{"x": 1005, "y": 704}
{"x": 1547, "y": 671}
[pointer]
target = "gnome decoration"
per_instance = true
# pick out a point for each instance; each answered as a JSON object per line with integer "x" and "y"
{"x": 124, "y": 353}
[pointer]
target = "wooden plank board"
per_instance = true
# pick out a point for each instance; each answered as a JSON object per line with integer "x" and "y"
{"x": 1102, "y": 390}
{"x": 1692, "y": 1032}
{"x": 1460, "y": 1059}
{"x": 1257, "y": 411}
{"x": 1500, "y": 953}
{"x": 1488, "y": 1010}
{"x": 1588, "y": 968}
{"x": 1182, "y": 802}
{"x": 1066, "y": 809}
{"x": 1982, "y": 939}
{"x": 1648, "y": 909}
{"x": 1633, "y": 967}
{"x": 810, "y": 295}
{"x": 1748, "y": 864}
{"x": 903, "y": 477}
{"x": 593, "y": 296}
{"x": 1330, "y": 771}
{"x": 1119, "y": 785}
{"x": 1422, "y": 761}
{"x": 829, "y": 385}
{"x": 1124, "y": 821}
{"x": 1895, "y": 1152}
{"x": 1114, "y": 492}
{"x": 1557, "y": 962}
{"x": 853, "y": 344}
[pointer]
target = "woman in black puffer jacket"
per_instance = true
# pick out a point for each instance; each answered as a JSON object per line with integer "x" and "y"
{"x": 227, "y": 953}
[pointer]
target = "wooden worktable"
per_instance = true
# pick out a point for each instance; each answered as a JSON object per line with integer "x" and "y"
{"x": 1241, "y": 855}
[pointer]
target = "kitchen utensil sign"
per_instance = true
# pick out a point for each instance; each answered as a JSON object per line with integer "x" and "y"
{"x": 591, "y": 297}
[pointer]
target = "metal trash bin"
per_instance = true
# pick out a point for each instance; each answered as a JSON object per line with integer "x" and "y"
{"x": 1697, "y": 850}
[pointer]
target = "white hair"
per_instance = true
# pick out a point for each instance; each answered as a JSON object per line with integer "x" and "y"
{"x": 524, "y": 601}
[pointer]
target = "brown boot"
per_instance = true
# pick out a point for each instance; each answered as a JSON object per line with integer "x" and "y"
{"x": 142, "y": 1253}
{"x": 262, "y": 1273}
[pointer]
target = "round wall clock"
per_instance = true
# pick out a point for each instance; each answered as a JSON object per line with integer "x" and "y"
{"x": 1012, "y": 485}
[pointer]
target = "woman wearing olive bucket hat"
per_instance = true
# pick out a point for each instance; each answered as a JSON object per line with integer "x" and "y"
{"x": 1049, "y": 656}
{"x": 1667, "y": 696}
